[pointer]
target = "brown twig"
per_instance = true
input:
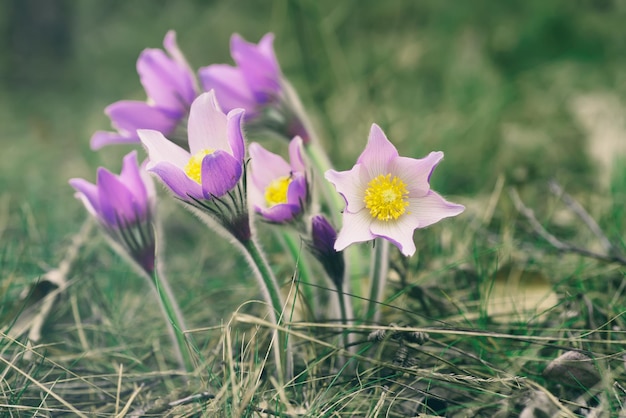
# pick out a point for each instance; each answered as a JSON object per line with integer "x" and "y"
{"x": 554, "y": 241}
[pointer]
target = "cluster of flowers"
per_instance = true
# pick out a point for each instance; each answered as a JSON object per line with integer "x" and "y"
{"x": 195, "y": 138}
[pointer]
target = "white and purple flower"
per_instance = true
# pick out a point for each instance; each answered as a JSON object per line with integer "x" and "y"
{"x": 214, "y": 163}
{"x": 170, "y": 86}
{"x": 278, "y": 191}
{"x": 388, "y": 196}
{"x": 124, "y": 207}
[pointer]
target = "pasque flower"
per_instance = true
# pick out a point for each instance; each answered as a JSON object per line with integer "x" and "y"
{"x": 257, "y": 85}
{"x": 214, "y": 163}
{"x": 170, "y": 86}
{"x": 255, "y": 81}
{"x": 388, "y": 196}
{"x": 124, "y": 207}
{"x": 279, "y": 191}
{"x": 321, "y": 245}
{"x": 208, "y": 175}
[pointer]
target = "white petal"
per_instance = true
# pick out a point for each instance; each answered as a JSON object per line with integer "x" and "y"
{"x": 416, "y": 172}
{"x": 207, "y": 125}
{"x": 351, "y": 185}
{"x": 379, "y": 153}
{"x": 427, "y": 210}
{"x": 161, "y": 149}
{"x": 356, "y": 228}
{"x": 399, "y": 232}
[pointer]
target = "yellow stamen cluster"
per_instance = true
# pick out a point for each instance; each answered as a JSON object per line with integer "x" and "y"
{"x": 193, "y": 169}
{"x": 386, "y": 197}
{"x": 276, "y": 191}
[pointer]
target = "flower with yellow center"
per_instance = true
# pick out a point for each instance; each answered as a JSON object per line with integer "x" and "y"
{"x": 214, "y": 164}
{"x": 276, "y": 191}
{"x": 193, "y": 169}
{"x": 388, "y": 196}
{"x": 279, "y": 190}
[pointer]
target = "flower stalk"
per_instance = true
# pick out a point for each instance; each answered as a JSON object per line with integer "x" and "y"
{"x": 271, "y": 292}
{"x": 173, "y": 317}
{"x": 378, "y": 278}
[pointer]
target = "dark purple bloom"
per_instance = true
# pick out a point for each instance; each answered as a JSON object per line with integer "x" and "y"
{"x": 279, "y": 191}
{"x": 124, "y": 207}
{"x": 170, "y": 86}
{"x": 322, "y": 246}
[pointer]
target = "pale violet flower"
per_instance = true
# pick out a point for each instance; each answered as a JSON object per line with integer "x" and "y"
{"x": 124, "y": 207}
{"x": 388, "y": 196}
{"x": 256, "y": 84}
{"x": 278, "y": 191}
{"x": 170, "y": 86}
{"x": 214, "y": 163}
{"x": 209, "y": 176}
{"x": 252, "y": 83}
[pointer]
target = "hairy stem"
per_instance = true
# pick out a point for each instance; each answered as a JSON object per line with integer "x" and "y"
{"x": 378, "y": 278}
{"x": 271, "y": 293}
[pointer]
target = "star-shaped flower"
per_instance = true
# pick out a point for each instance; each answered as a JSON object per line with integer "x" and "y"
{"x": 388, "y": 196}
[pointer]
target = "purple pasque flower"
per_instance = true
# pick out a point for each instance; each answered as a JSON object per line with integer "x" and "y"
{"x": 124, "y": 207}
{"x": 214, "y": 164}
{"x": 388, "y": 196}
{"x": 252, "y": 83}
{"x": 170, "y": 86}
{"x": 322, "y": 246}
{"x": 279, "y": 191}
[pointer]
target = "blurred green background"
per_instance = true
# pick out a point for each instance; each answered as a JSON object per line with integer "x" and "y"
{"x": 500, "y": 87}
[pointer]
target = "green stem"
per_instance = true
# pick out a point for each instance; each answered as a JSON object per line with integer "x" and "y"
{"x": 271, "y": 293}
{"x": 304, "y": 269}
{"x": 174, "y": 318}
{"x": 378, "y": 278}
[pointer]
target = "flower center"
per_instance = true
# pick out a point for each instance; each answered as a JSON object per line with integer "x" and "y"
{"x": 276, "y": 191}
{"x": 193, "y": 169}
{"x": 386, "y": 197}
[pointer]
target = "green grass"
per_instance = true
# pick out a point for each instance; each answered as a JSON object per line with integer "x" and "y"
{"x": 494, "y": 85}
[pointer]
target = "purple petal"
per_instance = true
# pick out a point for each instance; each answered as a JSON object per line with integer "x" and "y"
{"x": 378, "y": 153}
{"x": 295, "y": 155}
{"x": 356, "y": 228}
{"x": 167, "y": 82}
{"x": 351, "y": 185}
{"x": 146, "y": 178}
{"x": 171, "y": 46}
{"x": 127, "y": 116}
{"x": 280, "y": 213}
{"x": 162, "y": 150}
{"x": 220, "y": 173}
{"x": 429, "y": 209}
{"x": 234, "y": 126}
{"x": 416, "y": 172}
{"x": 265, "y": 166}
{"x": 102, "y": 138}
{"x": 297, "y": 191}
{"x": 258, "y": 65}
{"x": 207, "y": 125}
{"x": 177, "y": 181}
{"x": 117, "y": 203}
{"x": 399, "y": 232}
{"x": 230, "y": 87}
{"x": 88, "y": 193}
{"x": 135, "y": 183}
